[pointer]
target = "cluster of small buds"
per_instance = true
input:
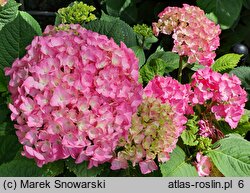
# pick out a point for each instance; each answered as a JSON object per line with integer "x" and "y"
{"x": 143, "y": 30}
{"x": 194, "y": 34}
{"x": 74, "y": 94}
{"x": 221, "y": 94}
{"x": 156, "y": 126}
{"x": 77, "y": 13}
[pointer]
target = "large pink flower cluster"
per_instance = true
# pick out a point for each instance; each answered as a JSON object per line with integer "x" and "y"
{"x": 156, "y": 126}
{"x": 194, "y": 34}
{"x": 220, "y": 94}
{"x": 74, "y": 94}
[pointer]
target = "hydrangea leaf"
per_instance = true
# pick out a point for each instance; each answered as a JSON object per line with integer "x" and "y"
{"x": 231, "y": 155}
{"x": 6, "y": 128}
{"x": 15, "y": 36}
{"x": 246, "y": 3}
{"x": 23, "y": 167}
{"x": 226, "y": 62}
{"x": 176, "y": 166}
{"x": 226, "y": 11}
{"x": 116, "y": 29}
{"x": 125, "y": 9}
{"x": 8, "y": 148}
{"x": 81, "y": 170}
{"x": 243, "y": 73}
{"x": 3, "y": 82}
{"x": 189, "y": 135}
{"x": 8, "y": 12}
{"x": 159, "y": 63}
{"x": 139, "y": 54}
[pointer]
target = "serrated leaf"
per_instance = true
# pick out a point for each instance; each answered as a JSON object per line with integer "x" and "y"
{"x": 189, "y": 135}
{"x": 9, "y": 146}
{"x": 139, "y": 53}
{"x": 226, "y": 11}
{"x": 231, "y": 156}
{"x": 176, "y": 166}
{"x": 159, "y": 63}
{"x": 226, "y": 63}
{"x": 15, "y": 36}
{"x": 23, "y": 167}
{"x": 8, "y": 12}
{"x": 81, "y": 170}
{"x": 116, "y": 29}
{"x": 243, "y": 73}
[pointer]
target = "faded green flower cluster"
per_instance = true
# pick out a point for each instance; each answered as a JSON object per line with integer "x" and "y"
{"x": 153, "y": 133}
{"x": 143, "y": 30}
{"x": 77, "y": 13}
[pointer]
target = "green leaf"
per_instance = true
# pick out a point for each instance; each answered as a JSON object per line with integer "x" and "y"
{"x": 3, "y": 82}
{"x": 8, "y": 12}
{"x": 189, "y": 135}
{"x": 243, "y": 73}
{"x": 116, "y": 7}
{"x": 116, "y": 29}
{"x": 23, "y": 167}
{"x": 159, "y": 63}
{"x": 226, "y": 63}
{"x": 246, "y": 3}
{"x": 4, "y": 112}
{"x": 231, "y": 156}
{"x": 149, "y": 41}
{"x": 81, "y": 170}
{"x": 15, "y": 36}
{"x": 9, "y": 146}
{"x": 226, "y": 11}
{"x": 176, "y": 166}
{"x": 6, "y": 128}
{"x": 139, "y": 54}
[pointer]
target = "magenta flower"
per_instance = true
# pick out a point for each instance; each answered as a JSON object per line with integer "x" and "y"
{"x": 221, "y": 94}
{"x": 194, "y": 34}
{"x": 203, "y": 165}
{"x": 74, "y": 94}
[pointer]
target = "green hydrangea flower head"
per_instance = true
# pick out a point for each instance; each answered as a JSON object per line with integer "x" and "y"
{"x": 77, "y": 13}
{"x": 143, "y": 30}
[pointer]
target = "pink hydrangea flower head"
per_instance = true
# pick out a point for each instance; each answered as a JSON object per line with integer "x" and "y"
{"x": 221, "y": 94}
{"x": 203, "y": 165}
{"x": 194, "y": 34}
{"x": 169, "y": 90}
{"x": 74, "y": 94}
{"x": 155, "y": 127}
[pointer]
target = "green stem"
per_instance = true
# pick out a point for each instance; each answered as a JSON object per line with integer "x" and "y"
{"x": 180, "y": 70}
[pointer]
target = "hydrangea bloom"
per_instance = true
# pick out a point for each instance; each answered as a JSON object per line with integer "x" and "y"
{"x": 220, "y": 94}
{"x": 156, "y": 127}
{"x": 194, "y": 34}
{"x": 74, "y": 94}
{"x": 203, "y": 165}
